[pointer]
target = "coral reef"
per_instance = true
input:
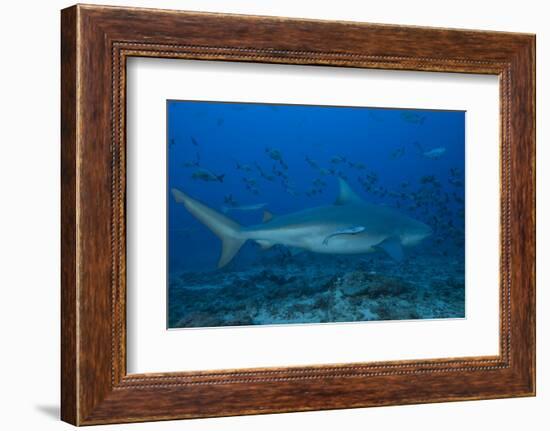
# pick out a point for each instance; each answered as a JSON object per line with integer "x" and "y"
{"x": 319, "y": 289}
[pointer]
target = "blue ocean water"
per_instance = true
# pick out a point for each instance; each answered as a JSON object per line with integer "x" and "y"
{"x": 241, "y": 159}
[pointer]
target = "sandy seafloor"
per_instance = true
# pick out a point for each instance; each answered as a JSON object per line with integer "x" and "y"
{"x": 283, "y": 289}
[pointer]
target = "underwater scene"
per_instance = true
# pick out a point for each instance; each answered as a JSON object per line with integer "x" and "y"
{"x": 295, "y": 214}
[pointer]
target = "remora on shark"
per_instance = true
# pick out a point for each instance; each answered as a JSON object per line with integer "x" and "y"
{"x": 352, "y": 225}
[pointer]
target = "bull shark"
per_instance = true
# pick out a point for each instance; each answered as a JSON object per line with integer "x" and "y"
{"x": 349, "y": 226}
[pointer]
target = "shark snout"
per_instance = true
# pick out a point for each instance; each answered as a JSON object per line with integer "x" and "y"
{"x": 416, "y": 235}
{"x": 426, "y": 231}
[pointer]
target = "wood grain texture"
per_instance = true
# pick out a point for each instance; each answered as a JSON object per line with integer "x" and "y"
{"x": 69, "y": 367}
{"x": 96, "y": 42}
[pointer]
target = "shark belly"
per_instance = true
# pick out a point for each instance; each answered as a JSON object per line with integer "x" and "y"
{"x": 347, "y": 244}
{"x": 312, "y": 238}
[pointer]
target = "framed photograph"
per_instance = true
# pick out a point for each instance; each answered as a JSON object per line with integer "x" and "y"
{"x": 317, "y": 269}
{"x": 266, "y": 215}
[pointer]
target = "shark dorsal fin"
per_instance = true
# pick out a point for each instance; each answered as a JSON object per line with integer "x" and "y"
{"x": 267, "y": 216}
{"x": 346, "y": 195}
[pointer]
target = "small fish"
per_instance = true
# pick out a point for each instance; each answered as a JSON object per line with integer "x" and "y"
{"x": 193, "y": 163}
{"x": 245, "y": 168}
{"x": 312, "y": 163}
{"x": 433, "y": 154}
{"x": 397, "y": 153}
{"x": 229, "y": 200}
{"x": 319, "y": 183}
{"x": 274, "y": 154}
{"x": 314, "y": 192}
{"x": 430, "y": 179}
{"x": 382, "y": 191}
{"x": 288, "y": 184}
{"x": 341, "y": 175}
{"x": 357, "y": 165}
{"x": 267, "y": 176}
{"x": 291, "y": 191}
{"x": 413, "y": 117}
{"x": 279, "y": 173}
{"x": 458, "y": 198}
{"x": 172, "y": 142}
{"x": 352, "y": 230}
{"x": 371, "y": 178}
{"x": 263, "y": 173}
{"x": 206, "y": 175}
{"x": 249, "y": 207}
{"x": 337, "y": 159}
{"x": 250, "y": 181}
{"x": 194, "y": 141}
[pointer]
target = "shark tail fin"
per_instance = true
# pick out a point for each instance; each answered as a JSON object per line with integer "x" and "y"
{"x": 223, "y": 227}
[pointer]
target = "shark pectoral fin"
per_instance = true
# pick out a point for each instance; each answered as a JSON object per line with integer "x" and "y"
{"x": 265, "y": 245}
{"x": 392, "y": 246}
{"x": 267, "y": 216}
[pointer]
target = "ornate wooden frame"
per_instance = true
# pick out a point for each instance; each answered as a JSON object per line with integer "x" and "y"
{"x": 95, "y": 42}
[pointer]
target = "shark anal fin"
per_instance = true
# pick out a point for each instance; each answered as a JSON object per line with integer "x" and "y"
{"x": 267, "y": 216}
{"x": 392, "y": 246}
{"x": 264, "y": 244}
